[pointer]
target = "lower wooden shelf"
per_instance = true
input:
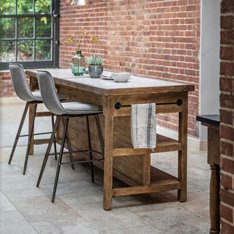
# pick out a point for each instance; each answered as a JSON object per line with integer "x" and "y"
{"x": 160, "y": 181}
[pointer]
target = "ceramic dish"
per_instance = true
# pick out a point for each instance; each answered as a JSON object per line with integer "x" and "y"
{"x": 109, "y": 77}
{"x": 121, "y": 76}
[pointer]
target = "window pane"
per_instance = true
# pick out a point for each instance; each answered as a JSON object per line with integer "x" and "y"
{"x": 25, "y": 27}
{"x": 43, "y": 6}
{"x": 43, "y": 50}
{"x": 7, "y": 26}
{"x": 25, "y": 6}
{"x": 27, "y": 32}
{"x": 25, "y": 50}
{"x": 7, "y": 7}
{"x": 7, "y": 51}
{"x": 43, "y": 27}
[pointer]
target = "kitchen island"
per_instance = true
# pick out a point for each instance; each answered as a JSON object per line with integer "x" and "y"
{"x": 130, "y": 165}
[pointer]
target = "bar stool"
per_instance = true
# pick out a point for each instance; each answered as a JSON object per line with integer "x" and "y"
{"x": 32, "y": 99}
{"x": 63, "y": 112}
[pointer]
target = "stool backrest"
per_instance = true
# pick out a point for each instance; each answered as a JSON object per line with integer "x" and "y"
{"x": 19, "y": 82}
{"x": 49, "y": 93}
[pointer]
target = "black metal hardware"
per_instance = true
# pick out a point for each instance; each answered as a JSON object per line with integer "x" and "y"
{"x": 55, "y": 15}
{"x": 118, "y": 105}
{"x": 179, "y": 102}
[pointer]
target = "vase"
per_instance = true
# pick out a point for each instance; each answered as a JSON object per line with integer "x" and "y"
{"x": 95, "y": 71}
{"x": 78, "y": 64}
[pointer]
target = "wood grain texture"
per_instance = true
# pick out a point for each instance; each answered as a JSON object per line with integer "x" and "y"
{"x": 182, "y": 154}
{"x": 214, "y": 162}
{"x": 121, "y": 160}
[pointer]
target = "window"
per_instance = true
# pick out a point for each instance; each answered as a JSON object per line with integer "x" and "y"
{"x": 29, "y": 33}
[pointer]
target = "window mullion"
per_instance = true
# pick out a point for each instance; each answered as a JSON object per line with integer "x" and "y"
{"x": 34, "y": 31}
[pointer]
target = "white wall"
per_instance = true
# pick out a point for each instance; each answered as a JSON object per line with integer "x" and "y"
{"x": 209, "y": 60}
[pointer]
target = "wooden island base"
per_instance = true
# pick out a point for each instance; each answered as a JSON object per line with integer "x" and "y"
{"x": 134, "y": 170}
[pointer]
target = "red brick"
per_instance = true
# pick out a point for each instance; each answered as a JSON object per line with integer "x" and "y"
{"x": 226, "y": 85}
{"x": 227, "y": 165}
{"x": 226, "y": 213}
{"x": 226, "y": 181}
{"x": 227, "y": 37}
{"x": 226, "y": 148}
{"x": 226, "y": 101}
{"x": 226, "y": 228}
{"x": 227, "y": 69}
{"x": 227, "y": 197}
{"x": 227, "y": 6}
{"x": 227, "y": 22}
{"x": 226, "y": 132}
{"x": 227, "y": 52}
{"x": 226, "y": 116}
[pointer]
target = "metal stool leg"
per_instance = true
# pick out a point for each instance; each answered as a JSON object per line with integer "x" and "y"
{"x": 67, "y": 139}
{"x": 55, "y": 147}
{"x": 18, "y": 132}
{"x": 59, "y": 160}
{"x": 90, "y": 148}
{"x": 48, "y": 151}
{"x": 30, "y": 138}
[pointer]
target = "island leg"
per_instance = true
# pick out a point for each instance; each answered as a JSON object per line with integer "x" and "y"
{"x": 182, "y": 154}
{"x": 108, "y": 160}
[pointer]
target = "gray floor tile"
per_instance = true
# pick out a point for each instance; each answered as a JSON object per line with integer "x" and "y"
{"x": 139, "y": 230}
{"x": 39, "y": 209}
{"x": 175, "y": 220}
{"x": 12, "y": 222}
{"x": 5, "y": 204}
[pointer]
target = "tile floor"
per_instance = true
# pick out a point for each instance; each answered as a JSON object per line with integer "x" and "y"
{"x": 78, "y": 207}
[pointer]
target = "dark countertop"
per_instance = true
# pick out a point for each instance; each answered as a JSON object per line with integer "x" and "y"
{"x": 209, "y": 119}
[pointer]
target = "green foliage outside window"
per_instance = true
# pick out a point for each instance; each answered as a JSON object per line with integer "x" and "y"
{"x": 30, "y": 35}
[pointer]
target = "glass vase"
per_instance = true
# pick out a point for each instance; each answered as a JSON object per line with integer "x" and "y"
{"x": 78, "y": 64}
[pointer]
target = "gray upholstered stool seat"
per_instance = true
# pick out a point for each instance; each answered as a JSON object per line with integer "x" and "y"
{"x": 78, "y": 108}
{"x": 37, "y": 96}
{"x": 32, "y": 99}
{"x": 63, "y": 112}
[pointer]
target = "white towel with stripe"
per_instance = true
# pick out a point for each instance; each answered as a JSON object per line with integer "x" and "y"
{"x": 143, "y": 125}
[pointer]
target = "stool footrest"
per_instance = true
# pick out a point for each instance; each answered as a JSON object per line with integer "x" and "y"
{"x": 43, "y": 114}
{"x": 40, "y": 141}
{"x": 36, "y": 134}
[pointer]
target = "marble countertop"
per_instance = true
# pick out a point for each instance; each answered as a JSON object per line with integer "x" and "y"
{"x": 141, "y": 84}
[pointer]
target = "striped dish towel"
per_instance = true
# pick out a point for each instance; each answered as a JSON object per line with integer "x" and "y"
{"x": 143, "y": 125}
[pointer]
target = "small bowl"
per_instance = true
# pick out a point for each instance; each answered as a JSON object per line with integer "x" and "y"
{"x": 121, "y": 76}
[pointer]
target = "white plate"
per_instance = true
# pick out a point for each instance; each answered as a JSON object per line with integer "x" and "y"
{"x": 106, "y": 77}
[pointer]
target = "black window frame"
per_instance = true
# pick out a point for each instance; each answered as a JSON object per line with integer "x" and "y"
{"x": 54, "y": 14}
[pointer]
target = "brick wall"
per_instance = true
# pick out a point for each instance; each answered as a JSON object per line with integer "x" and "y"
{"x": 6, "y": 89}
{"x": 227, "y": 116}
{"x": 158, "y": 39}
